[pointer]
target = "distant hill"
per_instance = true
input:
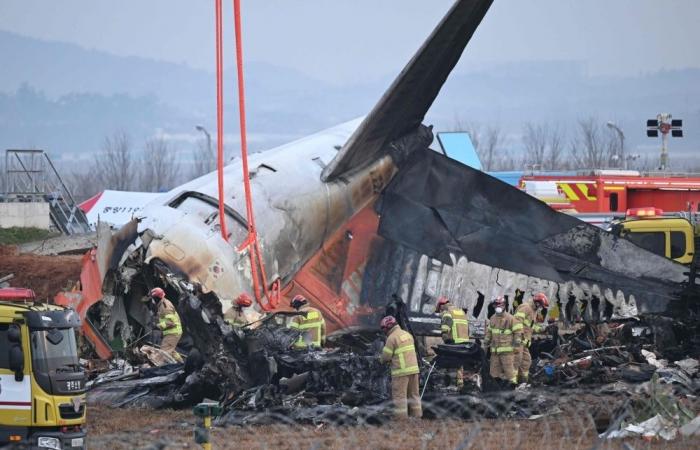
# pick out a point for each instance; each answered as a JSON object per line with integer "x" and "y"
{"x": 66, "y": 99}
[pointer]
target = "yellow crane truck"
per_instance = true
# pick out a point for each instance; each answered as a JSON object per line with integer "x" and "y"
{"x": 42, "y": 386}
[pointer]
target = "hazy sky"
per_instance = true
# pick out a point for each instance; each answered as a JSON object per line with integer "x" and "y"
{"x": 357, "y": 40}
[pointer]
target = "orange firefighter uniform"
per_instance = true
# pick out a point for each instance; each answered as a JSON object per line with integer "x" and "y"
{"x": 312, "y": 326}
{"x": 525, "y": 317}
{"x": 502, "y": 339}
{"x": 401, "y": 352}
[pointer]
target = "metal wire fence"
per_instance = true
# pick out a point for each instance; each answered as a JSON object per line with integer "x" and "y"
{"x": 621, "y": 415}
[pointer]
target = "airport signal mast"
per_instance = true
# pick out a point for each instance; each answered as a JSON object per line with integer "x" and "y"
{"x": 665, "y": 124}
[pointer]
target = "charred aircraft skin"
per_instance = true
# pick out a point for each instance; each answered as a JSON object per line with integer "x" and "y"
{"x": 295, "y": 210}
{"x": 447, "y": 230}
{"x": 450, "y": 230}
{"x": 302, "y": 192}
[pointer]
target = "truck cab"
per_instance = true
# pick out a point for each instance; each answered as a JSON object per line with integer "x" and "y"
{"x": 672, "y": 237}
{"x": 42, "y": 386}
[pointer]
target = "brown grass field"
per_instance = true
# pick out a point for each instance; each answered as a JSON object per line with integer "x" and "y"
{"x": 168, "y": 429}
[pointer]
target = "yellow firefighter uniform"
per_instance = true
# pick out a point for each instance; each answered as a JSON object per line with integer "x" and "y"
{"x": 525, "y": 317}
{"x": 400, "y": 350}
{"x": 503, "y": 340}
{"x": 455, "y": 330}
{"x": 169, "y": 323}
{"x": 312, "y": 327}
{"x": 234, "y": 316}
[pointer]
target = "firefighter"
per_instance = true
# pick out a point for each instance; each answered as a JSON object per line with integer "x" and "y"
{"x": 525, "y": 322}
{"x": 400, "y": 351}
{"x": 311, "y": 324}
{"x": 168, "y": 322}
{"x": 454, "y": 327}
{"x": 234, "y": 316}
{"x": 502, "y": 340}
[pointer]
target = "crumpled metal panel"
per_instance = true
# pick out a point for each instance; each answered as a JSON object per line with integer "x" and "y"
{"x": 456, "y": 231}
{"x": 293, "y": 223}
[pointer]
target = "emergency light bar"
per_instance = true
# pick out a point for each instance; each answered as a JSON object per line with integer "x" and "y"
{"x": 16, "y": 295}
{"x": 644, "y": 212}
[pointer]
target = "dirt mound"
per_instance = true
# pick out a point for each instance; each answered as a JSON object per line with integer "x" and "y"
{"x": 46, "y": 275}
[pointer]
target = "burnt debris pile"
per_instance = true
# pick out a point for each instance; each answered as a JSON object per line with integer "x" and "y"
{"x": 631, "y": 351}
{"x": 259, "y": 380}
{"x": 253, "y": 371}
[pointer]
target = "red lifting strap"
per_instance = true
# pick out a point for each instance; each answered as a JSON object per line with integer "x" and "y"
{"x": 256, "y": 259}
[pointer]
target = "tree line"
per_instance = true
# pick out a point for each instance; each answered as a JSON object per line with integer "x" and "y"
{"x": 591, "y": 144}
{"x": 158, "y": 167}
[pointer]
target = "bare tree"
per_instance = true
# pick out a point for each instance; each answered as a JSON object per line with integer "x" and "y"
{"x": 535, "y": 141}
{"x": 488, "y": 144}
{"x": 84, "y": 183}
{"x": 114, "y": 164}
{"x": 555, "y": 151}
{"x": 594, "y": 146}
{"x": 507, "y": 161}
{"x": 474, "y": 131}
{"x": 160, "y": 167}
{"x": 204, "y": 160}
{"x": 489, "y": 147}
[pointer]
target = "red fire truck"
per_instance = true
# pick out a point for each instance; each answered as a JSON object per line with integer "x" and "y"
{"x": 615, "y": 191}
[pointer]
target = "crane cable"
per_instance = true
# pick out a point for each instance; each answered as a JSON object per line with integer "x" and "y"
{"x": 251, "y": 242}
{"x": 220, "y": 120}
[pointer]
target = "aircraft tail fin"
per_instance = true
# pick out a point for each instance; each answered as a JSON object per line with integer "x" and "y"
{"x": 403, "y": 106}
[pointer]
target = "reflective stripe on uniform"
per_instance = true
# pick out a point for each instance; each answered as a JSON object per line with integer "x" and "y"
{"x": 163, "y": 324}
{"x": 403, "y": 370}
{"x": 312, "y": 321}
{"x": 521, "y": 315}
{"x": 517, "y": 327}
{"x": 504, "y": 349}
{"x": 458, "y": 318}
{"x": 500, "y": 330}
{"x": 455, "y": 334}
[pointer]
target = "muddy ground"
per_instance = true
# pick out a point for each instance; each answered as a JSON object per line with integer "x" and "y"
{"x": 46, "y": 275}
{"x": 167, "y": 429}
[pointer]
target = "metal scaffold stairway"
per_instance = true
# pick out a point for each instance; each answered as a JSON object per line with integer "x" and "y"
{"x": 32, "y": 177}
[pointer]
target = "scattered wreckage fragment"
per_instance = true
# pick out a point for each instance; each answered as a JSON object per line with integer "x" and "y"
{"x": 383, "y": 214}
{"x": 368, "y": 210}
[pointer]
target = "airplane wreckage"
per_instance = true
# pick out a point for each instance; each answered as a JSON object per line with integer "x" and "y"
{"x": 351, "y": 218}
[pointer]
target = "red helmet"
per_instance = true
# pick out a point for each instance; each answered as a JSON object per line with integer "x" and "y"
{"x": 157, "y": 293}
{"x": 298, "y": 301}
{"x": 244, "y": 300}
{"x": 541, "y": 299}
{"x": 499, "y": 301}
{"x": 441, "y": 301}
{"x": 387, "y": 323}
